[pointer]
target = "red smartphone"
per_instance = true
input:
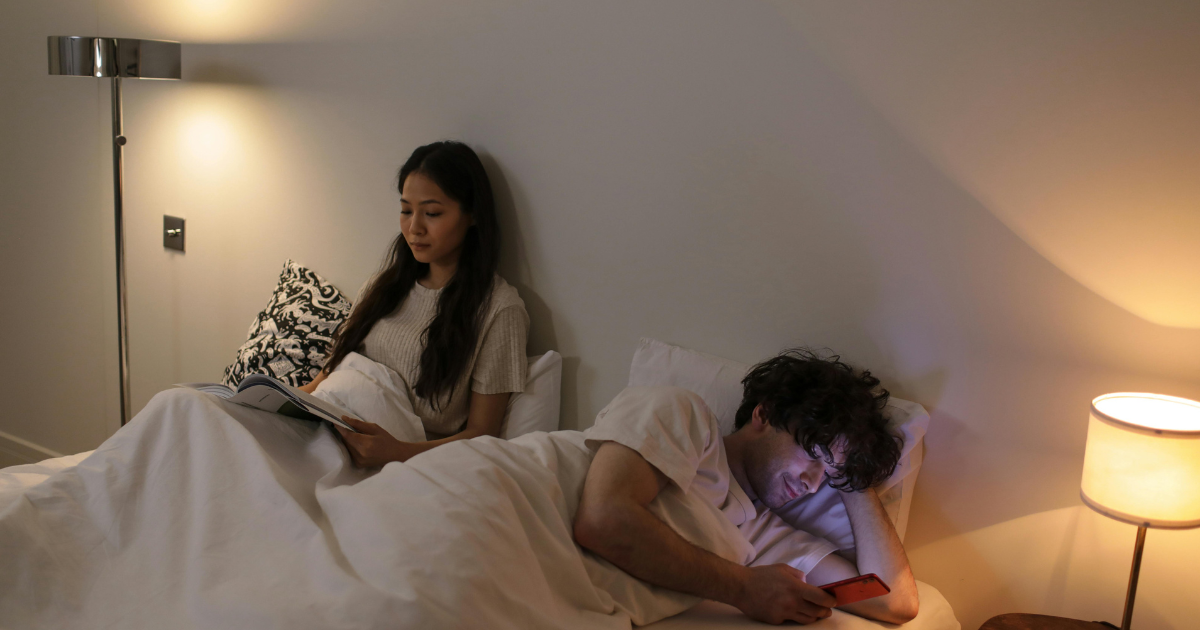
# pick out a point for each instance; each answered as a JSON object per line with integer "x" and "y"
{"x": 857, "y": 589}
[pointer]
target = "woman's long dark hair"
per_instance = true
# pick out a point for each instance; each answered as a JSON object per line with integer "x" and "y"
{"x": 451, "y": 336}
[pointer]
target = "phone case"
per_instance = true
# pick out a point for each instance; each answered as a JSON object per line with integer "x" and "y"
{"x": 857, "y": 589}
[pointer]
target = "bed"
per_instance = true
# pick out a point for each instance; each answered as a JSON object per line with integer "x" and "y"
{"x": 329, "y": 546}
{"x": 936, "y": 613}
{"x": 196, "y": 562}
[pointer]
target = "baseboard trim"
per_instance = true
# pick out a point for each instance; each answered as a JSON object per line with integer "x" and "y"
{"x": 25, "y": 450}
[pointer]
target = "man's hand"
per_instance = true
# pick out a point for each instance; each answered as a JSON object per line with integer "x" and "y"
{"x": 777, "y": 593}
{"x": 373, "y": 447}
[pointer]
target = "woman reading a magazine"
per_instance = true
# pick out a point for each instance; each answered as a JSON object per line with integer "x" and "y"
{"x": 437, "y": 313}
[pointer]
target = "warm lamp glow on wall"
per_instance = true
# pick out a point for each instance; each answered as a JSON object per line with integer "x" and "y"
{"x": 208, "y": 139}
{"x": 1142, "y": 466}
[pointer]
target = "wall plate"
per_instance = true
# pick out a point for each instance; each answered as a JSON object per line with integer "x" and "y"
{"x": 173, "y": 234}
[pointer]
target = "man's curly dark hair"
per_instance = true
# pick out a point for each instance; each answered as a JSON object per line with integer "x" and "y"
{"x": 822, "y": 402}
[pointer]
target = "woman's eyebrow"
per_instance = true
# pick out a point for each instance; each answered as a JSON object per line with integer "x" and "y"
{"x": 422, "y": 203}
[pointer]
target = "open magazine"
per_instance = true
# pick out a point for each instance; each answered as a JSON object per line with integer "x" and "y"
{"x": 263, "y": 392}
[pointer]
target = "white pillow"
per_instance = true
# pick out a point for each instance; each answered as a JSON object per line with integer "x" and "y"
{"x": 719, "y": 382}
{"x": 536, "y": 408}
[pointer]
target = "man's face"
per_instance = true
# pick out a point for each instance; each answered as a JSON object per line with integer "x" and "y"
{"x": 779, "y": 470}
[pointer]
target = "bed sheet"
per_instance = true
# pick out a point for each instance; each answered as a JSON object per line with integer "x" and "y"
{"x": 215, "y": 515}
{"x": 936, "y": 614}
{"x": 99, "y": 493}
{"x": 15, "y": 479}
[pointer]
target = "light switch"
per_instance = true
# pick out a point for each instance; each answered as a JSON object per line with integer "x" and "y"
{"x": 173, "y": 233}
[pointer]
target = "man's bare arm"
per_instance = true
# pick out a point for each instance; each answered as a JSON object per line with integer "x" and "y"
{"x": 614, "y": 523}
{"x": 879, "y": 551}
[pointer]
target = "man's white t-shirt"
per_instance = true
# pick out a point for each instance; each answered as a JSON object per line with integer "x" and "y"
{"x": 675, "y": 432}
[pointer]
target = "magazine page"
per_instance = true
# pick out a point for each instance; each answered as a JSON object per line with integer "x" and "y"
{"x": 215, "y": 389}
{"x": 264, "y": 392}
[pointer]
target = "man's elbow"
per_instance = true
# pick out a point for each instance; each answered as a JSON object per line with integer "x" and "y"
{"x": 902, "y": 610}
{"x": 894, "y": 608}
{"x": 603, "y": 527}
{"x": 590, "y": 525}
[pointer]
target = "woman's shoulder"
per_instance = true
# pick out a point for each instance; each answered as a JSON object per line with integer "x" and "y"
{"x": 504, "y": 295}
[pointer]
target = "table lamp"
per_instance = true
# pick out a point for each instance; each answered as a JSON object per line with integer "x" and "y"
{"x": 116, "y": 58}
{"x": 1142, "y": 466}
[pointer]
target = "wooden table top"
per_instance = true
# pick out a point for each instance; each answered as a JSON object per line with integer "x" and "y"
{"x": 1021, "y": 621}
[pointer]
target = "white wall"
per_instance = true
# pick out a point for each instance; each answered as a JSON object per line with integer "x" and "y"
{"x": 991, "y": 205}
{"x": 56, "y": 243}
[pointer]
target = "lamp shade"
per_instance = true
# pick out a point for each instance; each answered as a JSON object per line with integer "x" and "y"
{"x": 114, "y": 57}
{"x": 1142, "y": 464}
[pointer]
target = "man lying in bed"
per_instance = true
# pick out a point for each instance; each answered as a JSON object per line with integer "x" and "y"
{"x": 803, "y": 420}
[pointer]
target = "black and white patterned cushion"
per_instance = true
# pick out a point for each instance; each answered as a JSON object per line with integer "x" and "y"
{"x": 289, "y": 338}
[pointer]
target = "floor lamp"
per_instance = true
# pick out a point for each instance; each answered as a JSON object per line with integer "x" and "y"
{"x": 115, "y": 58}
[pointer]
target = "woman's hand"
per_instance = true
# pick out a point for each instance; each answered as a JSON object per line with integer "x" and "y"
{"x": 312, "y": 385}
{"x": 373, "y": 447}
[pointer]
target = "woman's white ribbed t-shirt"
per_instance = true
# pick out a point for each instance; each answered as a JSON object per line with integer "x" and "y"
{"x": 497, "y": 365}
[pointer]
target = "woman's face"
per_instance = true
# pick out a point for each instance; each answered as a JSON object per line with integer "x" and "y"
{"x": 433, "y": 224}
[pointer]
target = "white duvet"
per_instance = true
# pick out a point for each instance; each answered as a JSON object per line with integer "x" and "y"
{"x": 204, "y": 514}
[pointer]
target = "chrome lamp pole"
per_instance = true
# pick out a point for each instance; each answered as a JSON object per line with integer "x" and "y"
{"x": 117, "y": 58}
